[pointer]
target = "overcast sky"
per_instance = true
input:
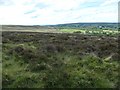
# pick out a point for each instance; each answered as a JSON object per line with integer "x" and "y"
{"x": 44, "y": 12}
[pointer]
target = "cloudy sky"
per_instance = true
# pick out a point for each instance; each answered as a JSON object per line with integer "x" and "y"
{"x": 44, "y": 12}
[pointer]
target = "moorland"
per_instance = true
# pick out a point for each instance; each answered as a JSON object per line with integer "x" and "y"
{"x": 60, "y": 56}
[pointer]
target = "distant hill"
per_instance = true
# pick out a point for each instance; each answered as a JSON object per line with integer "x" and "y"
{"x": 95, "y": 26}
{"x": 87, "y": 25}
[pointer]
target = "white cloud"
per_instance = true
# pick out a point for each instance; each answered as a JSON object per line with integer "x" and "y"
{"x": 57, "y": 11}
{"x": 109, "y": 2}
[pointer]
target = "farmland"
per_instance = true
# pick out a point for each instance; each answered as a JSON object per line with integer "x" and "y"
{"x": 92, "y": 32}
{"x": 67, "y": 58}
{"x": 65, "y": 29}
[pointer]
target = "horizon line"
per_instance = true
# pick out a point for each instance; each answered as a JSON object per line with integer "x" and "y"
{"x": 56, "y": 24}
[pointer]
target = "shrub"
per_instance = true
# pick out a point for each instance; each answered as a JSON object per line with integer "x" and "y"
{"x": 49, "y": 48}
{"x": 77, "y": 32}
{"x": 37, "y": 67}
{"x": 60, "y": 48}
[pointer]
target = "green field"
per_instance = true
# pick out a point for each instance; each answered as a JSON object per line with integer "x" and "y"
{"x": 112, "y": 32}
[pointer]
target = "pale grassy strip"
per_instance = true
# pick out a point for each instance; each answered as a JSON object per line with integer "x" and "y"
{"x": 46, "y": 30}
{"x": 71, "y": 30}
{"x": 112, "y": 31}
{"x": 90, "y": 31}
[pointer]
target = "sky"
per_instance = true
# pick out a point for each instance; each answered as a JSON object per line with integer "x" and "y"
{"x": 50, "y": 12}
